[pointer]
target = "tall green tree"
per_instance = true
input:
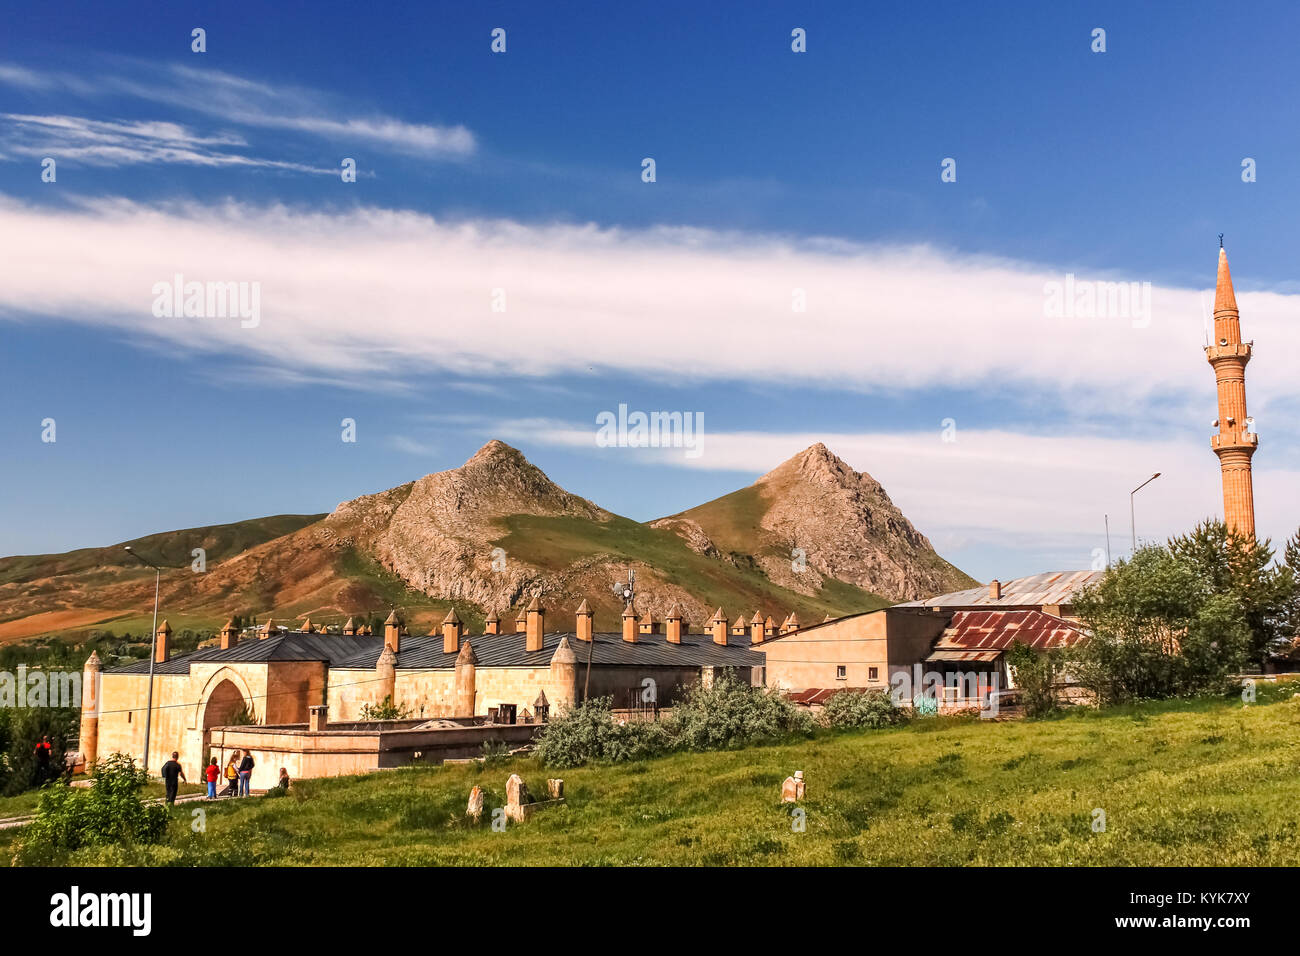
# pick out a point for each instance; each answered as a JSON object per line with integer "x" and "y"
{"x": 1235, "y": 566}
{"x": 1179, "y": 619}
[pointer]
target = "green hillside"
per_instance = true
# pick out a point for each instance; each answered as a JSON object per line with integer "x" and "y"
{"x": 554, "y": 543}
{"x": 1196, "y": 783}
{"x": 167, "y": 548}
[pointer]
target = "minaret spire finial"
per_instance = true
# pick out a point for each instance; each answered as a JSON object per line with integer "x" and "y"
{"x": 1220, "y": 240}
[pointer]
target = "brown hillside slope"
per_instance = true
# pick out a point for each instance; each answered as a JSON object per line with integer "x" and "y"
{"x": 842, "y": 519}
{"x": 495, "y": 531}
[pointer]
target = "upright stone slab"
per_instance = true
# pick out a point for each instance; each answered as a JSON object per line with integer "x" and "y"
{"x": 518, "y": 808}
{"x": 792, "y": 790}
{"x": 475, "y": 809}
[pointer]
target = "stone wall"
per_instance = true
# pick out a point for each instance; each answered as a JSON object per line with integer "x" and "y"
{"x": 330, "y": 753}
{"x": 180, "y": 710}
{"x": 431, "y": 693}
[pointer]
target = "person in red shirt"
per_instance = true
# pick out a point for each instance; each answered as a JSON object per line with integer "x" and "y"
{"x": 212, "y": 773}
{"x": 42, "y": 753}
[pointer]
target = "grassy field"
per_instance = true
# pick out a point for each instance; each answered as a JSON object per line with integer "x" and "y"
{"x": 1187, "y": 783}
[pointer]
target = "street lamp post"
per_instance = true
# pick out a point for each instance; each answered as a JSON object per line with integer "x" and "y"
{"x": 1131, "y": 523}
{"x": 153, "y": 651}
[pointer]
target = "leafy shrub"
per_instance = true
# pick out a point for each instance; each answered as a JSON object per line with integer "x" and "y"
{"x": 21, "y": 729}
{"x": 588, "y": 733}
{"x": 871, "y": 708}
{"x": 728, "y": 714}
{"x": 109, "y": 812}
{"x": 242, "y": 716}
{"x": 733, "y": 714}
{"x": 1037, "y": 674}
{"x": 494, "y": 752}
{"x": 385, "y": 710}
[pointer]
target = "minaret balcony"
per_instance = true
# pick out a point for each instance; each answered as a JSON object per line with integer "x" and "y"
{"x": 1233, "y": 350}
{"x": 1229, "y": 440}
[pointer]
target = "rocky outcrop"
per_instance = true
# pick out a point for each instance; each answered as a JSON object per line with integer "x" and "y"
{"x": 436, "y": 533}
{"x": 839, "y": 523}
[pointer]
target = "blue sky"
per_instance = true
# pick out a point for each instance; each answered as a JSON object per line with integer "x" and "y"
{"x": 522, "y": 171}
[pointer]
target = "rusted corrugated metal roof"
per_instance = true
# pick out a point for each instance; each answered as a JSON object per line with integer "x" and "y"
{"x": 996, "y": 631}
{"x": 819, "y": 695}
{"x": 951, "y": 655}
{"x": 1053, "y": 587}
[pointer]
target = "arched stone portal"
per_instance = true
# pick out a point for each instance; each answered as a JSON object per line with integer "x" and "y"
{"x": 223, "y": 704}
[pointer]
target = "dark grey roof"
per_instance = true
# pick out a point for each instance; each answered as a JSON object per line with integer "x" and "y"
{"x": 509, "y": 650}
{"x": 285, "y": 646}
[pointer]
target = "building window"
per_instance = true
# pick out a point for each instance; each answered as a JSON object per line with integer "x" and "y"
{"x": 128, "y": 716}
{"x": 841, "y": 672}
{"x": 873, "y": 673}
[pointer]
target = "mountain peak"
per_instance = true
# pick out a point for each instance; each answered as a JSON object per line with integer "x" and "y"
{"x": 494, "y": 451}
{"x": 841, "y": 520}
{"x": 816, "y": 463}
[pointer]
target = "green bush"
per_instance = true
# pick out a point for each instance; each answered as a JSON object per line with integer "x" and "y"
{"x": 871, "y": 708}
{"x": 733, "y": 714}
{"x": 588, "y": 733}
{"x": 1179, "y": 619}
{"x": 494, "y": 752}
{"x": 109, "y": 812}
{"x": 728, "y": 714}
{"x": 1036, "y": 674}
{"x": 385, "y": 710}
{"x": 21, "y": 729}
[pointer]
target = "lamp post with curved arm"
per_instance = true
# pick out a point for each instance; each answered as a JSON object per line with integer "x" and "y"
{"x": 1131, "y": 523}
{"x": 153, "y": 651}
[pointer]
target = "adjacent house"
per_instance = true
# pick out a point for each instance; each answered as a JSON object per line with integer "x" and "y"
{"x": 956, "y": 641}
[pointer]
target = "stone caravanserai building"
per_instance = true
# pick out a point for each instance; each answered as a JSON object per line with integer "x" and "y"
{"x": 297, "y": 698}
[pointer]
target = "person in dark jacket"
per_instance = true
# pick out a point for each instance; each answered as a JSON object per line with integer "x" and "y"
{"x": 172, "y": 774}
{"x": 246, "y": 773}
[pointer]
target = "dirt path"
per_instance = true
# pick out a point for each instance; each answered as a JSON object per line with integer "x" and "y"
{"x": 8, "y": 823}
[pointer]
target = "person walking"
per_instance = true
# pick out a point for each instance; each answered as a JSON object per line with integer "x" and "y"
{"x": 246, "y": 773}
{"x": 212, "y": 773}
{"x": 172, "y": 774}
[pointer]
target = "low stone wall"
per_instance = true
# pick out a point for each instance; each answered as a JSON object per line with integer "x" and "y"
{"x": 358, "y": 747}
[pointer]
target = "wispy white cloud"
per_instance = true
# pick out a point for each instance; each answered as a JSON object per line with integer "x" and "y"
{"x": 242, "y": 101}
{"x": 111, "y": 143}
{"x": 413, "y": 446}
{"x": 995, "y": 488}
{"x": 374, "y": 298}
{"x": 396, "y": 293}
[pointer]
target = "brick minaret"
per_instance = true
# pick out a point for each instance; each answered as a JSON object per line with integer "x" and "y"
{"x": 1234, "y": 444}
